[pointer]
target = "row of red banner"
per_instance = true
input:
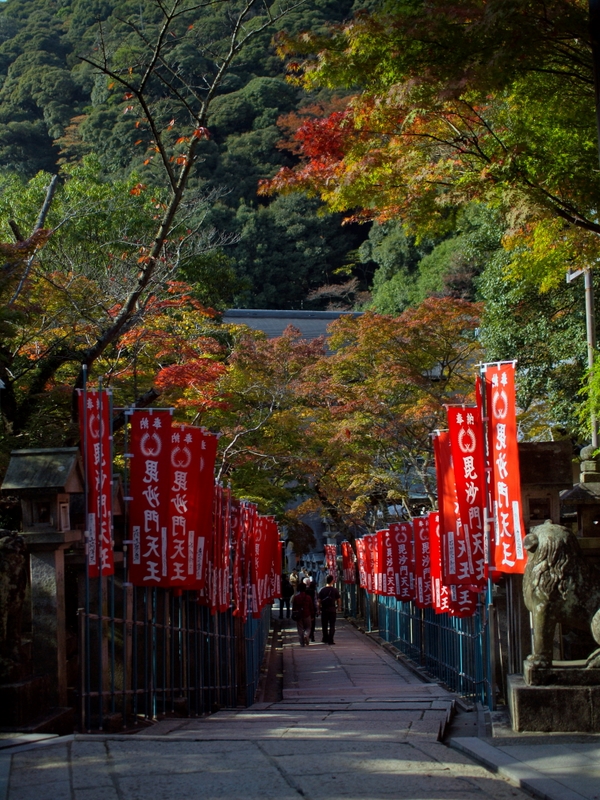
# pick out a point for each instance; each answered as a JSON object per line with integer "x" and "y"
{"x": 444, "y": 560}
{"x": 466, "y": 499}
{"x": 185, "y": 531}
{"x": 405, "y": 561}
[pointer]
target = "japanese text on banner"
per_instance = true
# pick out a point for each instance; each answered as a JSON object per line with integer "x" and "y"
{"x": 467, "y": 445}
{"x": 96, "y": 439}
{"x": 331, "y": 559}
{"x": 507, "y": 552}
{"x": 150, "y": 484}
{"x": 457, "y": 559}
{"x": 402, "y": 537}
{"x": 369, "y": 545}
{"x": 458, "y": 601}
{"x": 423, "y": 595}
{"x": 186, "y": 543}
{"x": 386, "y": 564}
{"x": 361, "y": 563}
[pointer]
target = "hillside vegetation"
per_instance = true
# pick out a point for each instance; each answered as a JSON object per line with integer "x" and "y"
{"x": 56, "y": 109}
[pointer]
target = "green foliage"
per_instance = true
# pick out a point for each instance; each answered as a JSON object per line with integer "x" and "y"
{"x": 408, "y": 273}
{"x": 287, "y": 250}
{"x": 61, "y": 297}
{"x": 397, "y": 258}
{"x": 56, "y": 108}
{"x": 257, "y": 105}
{"x": 500, "y": 111}
{"x": 545, "y": 332}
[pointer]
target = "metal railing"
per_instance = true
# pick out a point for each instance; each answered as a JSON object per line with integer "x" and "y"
{"x": 453, "y": 650}
{"x": 153, "y": 652}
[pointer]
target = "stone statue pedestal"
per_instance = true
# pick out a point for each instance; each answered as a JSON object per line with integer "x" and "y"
{"x": 563, "y": 698}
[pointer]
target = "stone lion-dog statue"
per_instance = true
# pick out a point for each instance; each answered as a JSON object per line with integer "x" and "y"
{"x": 559, "y": 585}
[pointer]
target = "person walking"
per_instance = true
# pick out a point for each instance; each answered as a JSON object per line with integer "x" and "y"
{"x": 311, "y": 590}
{"x": 329, "y": 598}
{"x": 302, "y": 611}
{"x": 294, "y": 578}
{"x": 287, "y": 592}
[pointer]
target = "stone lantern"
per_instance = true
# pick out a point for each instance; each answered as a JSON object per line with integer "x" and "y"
{"x": 44, "y": 481}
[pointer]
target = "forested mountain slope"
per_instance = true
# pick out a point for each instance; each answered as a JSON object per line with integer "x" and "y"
{"x": 56, "y": 109}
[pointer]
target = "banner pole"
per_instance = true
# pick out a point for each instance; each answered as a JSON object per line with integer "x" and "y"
{"x": 490, "y": 610}
{"x": 86, "y": 642}
{"x": 99, "y": 529}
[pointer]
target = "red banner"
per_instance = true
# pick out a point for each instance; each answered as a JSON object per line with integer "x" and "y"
{"x": 214, "y": 561}
{"x": 243, "y": 572}
{"x": 508, "y": 554}
{"x": 331, "y": 558}
{"x": 435, "y": 550}
{"x": 370, "y": 546}
{"x": 458, "y": 601}
{"x": 192, "y": 466}
{"x": 250, "y": 587}
{"x": 216, "y": 551}
{"x": 423, "y": 594}
{"x": 150, "y": 484}
{"x": 258, "y": 565}
{"x": 361, "y": 561}
{"x": 96, "y": 441}
{"x": 223, "y": 553}
{"x": 237, "y": 551}
{"x": 457, "y": 562}
{"x": 377, "y": 561}
{"x": 387, "y": 563}
{"x": 402, "y": 536}
{"x": 349, "y": 572}
{"x": 205, "y": 486}
{"x": 467, "y": 445}
{"x": 274, "y": 559}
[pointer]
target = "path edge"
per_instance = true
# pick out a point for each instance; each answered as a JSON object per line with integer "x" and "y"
{"x": 515, "y": 771}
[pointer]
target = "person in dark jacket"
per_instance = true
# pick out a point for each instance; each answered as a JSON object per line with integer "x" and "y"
{"x": 329, "y": 598}
{"x": 302, "y": 612}
{"x": 311, "y": 590}
{"x": 287, "y": 592}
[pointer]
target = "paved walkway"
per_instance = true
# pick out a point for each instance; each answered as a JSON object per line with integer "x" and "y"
{"x": 353, "y": 723}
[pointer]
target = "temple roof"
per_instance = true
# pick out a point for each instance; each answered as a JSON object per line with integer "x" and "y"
{"x": 311, "y": 324}
{"x": 57, "y": 468}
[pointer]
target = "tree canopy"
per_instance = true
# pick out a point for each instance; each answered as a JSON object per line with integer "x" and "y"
{"x": 468, "y": 133}
{"x": 346, "y": 433}
{"x": 435, "y": 163}
{"x": 474, "y": 101}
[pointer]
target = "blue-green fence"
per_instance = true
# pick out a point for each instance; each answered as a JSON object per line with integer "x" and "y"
{"x": 155, "y": 652}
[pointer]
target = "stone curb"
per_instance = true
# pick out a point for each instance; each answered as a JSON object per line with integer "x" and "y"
{"x": 517, "y": 772}
{"x": 21, "y": 748}
{"x": 18, "y": 740}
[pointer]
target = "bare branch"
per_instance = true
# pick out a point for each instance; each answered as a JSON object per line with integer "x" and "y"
{"x": 37, "y": 227}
